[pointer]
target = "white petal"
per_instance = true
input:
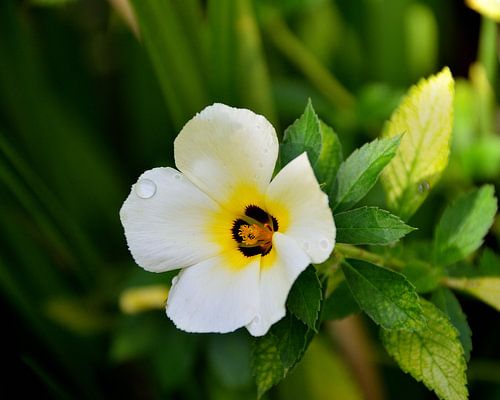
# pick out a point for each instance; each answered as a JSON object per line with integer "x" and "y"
{"x": 223, "y": 148}
{"x": 165, "y": 219}
{"x": 295, "y": 199}
{"x": 214, "y": 297}
{"x": 279, "y": 269}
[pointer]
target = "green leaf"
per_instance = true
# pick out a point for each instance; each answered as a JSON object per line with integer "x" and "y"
{"x": 173, "y": 357}
{"x": 425, "y": 277}
{"x": 486, "y": 289}
{"x": 340, "y": 303}
{"x": 238, "y": 69}
{"x": 463, "y": 225}
{"x": 357, "y": 175}
{"x": 77, "y": 315}
{"x": 291, "y": 338}
{"x": 386, "y": 296}
{"x": 489, "y": 265}
{"x": 330, "y": 157}
{"x": 369, "y": 225}
{"x": 324, "y": 151}
{"x": 229, "y": 358}
{"x": 51, "y": 3}
{"x": 446, "y": 301}
{"x": 303, "y": 135}
{"x": 266, "y": 363}
{"x": 253, "y": 78}
{"x": 274, "y": 354}
{"x": 304, "y": 300}
{"x": 322, "y": 374}
{"x": 134, "y": 337}
{"x": 421, "y": 32}
{"x": 433, "y": 355}
{"x": 177, "y": 62}
{"x": 425, "y": 117}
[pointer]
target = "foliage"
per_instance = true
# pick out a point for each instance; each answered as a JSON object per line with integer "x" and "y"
{"x": 433, "y": 355}
{"x": 425, "y": 118}
{"x": 88, "y": 100}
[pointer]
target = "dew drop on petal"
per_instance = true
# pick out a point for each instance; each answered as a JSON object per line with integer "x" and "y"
{"x": 256, "y": 320}
{"x": 177, "y": 176}
{"x": 145, "y": 188}
{"x": 306, "y": 246}
{"x": 324, "y": 244}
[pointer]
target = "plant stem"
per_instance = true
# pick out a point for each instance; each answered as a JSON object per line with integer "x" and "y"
{"x": 311, "y": 67}
{"x": 487, "y": 56}
{"x": 487, "y": 53}
{"x": 350, "y": 251}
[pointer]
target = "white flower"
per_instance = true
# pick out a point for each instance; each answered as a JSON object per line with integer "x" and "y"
{"x": 241, "y": 239}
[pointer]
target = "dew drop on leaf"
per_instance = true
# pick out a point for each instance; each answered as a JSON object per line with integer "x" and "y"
{"x": 423, "y": 187}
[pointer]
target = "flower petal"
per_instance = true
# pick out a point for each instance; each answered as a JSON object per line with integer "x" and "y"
{"x": 279, "y": 269}
{"x": 214, "y": 297}
{"x": 295, "y": 199}
{"x": 222, "y": 148}
{"x": 165, "y": 219}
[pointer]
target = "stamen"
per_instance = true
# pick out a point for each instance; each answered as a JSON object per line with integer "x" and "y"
{"x": 254, "y": 231}
{"x": 255, "y": 235}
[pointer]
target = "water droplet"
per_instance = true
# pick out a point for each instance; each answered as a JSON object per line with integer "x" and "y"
{"x": 324, "y": 244}
{"x": 145, "y": 188}
{"x": 306, "y": 246}
{"x": 260, "y": 164}
{"x": 423, "y": 186}
{"x": 177, "y": 176}
{"x": 174, "y": 280}
{"x": 256, "y": 320}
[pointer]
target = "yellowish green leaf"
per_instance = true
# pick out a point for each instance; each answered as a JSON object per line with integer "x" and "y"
{"x": 424, "y": 117}
{"x": 266, "y": 364}
{"x": 433, "y": 355}
{"x": 145, "y": 298}
{"x": 446, "y": 301}
{"x": 486, "y": 289}
{"x": 488, "y": 8}
{"x": 77, "y": 315}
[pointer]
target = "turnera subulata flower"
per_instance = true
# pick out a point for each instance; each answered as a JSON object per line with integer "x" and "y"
{"x": 240, "y": 238}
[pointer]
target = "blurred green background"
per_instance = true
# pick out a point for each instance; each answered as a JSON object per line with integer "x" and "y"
{"x": 87, "y": 103}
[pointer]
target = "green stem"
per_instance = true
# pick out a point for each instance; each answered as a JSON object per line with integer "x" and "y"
{"x": 350, "y": 251}
{"x": 311, "y": 67}
{"x": 487, "y": 56}
{"x": 488, "y": 48}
